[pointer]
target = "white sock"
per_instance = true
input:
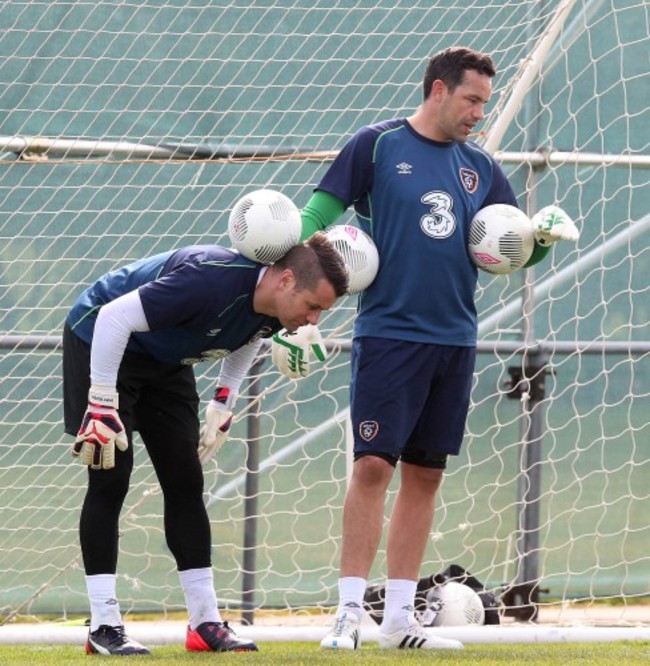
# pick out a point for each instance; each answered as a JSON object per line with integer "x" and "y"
{"x": 351, "y": 591}
{"x": 398, "y": 605}
{"x": 104, "y": 607}
{"x": 200, "y": 597}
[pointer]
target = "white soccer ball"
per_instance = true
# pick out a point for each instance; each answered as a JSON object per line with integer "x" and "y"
{"x": 263, "y": 225}
{"x": 453, "y": 604}
{"x": 359, "y": 253}
{"x": 500, "y": 239}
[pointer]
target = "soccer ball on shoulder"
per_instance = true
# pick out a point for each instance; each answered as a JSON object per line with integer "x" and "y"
{"x": 264, "y": 224}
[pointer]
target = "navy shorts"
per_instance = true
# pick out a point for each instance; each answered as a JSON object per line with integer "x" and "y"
{"x": 409, "y": 400}
{"x": 152, "y": 394}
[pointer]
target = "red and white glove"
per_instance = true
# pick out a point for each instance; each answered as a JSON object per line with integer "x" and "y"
{"x": 291, "y": 352}
{"x": 101, "y": 430}
{"x": 552, "y": 224}
{"x": 218, "y": 419}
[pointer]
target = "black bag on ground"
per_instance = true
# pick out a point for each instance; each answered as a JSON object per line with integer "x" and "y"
{"x": 374, "y": 597}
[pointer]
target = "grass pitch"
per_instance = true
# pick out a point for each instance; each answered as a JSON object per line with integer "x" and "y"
{"x": 307, "y": 654}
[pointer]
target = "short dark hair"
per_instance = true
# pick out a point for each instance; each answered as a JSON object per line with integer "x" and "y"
{"x": 313, "y": 260}
{"x": 450, "y": 65}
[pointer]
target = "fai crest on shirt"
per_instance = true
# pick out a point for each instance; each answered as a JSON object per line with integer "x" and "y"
{"x": 264, "y": 332}
{"x": 368, "y": 430}
{"x": 469, "y": 179}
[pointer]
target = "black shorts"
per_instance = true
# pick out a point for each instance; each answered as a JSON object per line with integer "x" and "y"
{"x": 159, "y": 395}
{"x": 409, "y": 401}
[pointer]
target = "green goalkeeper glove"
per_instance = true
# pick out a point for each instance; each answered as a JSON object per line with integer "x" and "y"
{"x": 552, "y": 224}
{"x": 101, "y": 430}
{"x": 291, "y": 352}
{"x": 218, "y": 419}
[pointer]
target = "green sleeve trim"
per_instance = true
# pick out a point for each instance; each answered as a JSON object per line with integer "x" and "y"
{"x": 321, "y": 211}
{"x": 539, "y": 252}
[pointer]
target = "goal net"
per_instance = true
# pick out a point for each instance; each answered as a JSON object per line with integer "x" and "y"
{"x": 132, "y": 128}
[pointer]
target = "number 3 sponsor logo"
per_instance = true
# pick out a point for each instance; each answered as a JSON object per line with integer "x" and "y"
{"x": 440, "y": 221}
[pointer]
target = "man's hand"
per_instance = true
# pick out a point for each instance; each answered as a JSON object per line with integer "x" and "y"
{"x": 218, "y": 418}
{"x": 101, "y": 430}
{"x": 552, "y": 224}
{"x": 291, "y": 351}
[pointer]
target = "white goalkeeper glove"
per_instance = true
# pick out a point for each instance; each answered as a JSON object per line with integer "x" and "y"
{"x": 101, "y": 430}
{"x": 291, "y": 351}
{"x": 552, "y": 224}
{"x": 218, "y": 419}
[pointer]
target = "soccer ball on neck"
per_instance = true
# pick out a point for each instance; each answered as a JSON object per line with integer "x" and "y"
{"x": 500, "y": 239}
{"x": 263, "y": 225}
{"x": 359, "y": 254}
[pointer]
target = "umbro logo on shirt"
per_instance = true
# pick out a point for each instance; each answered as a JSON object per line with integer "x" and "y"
{"x": 404, "y": 169}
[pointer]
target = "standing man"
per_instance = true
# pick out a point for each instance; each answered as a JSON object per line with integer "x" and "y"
{"x": 129, "y": 344}
{"x": 415, "y": 183}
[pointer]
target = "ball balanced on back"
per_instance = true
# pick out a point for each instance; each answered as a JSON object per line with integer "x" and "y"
{"x": 264, "y": 224}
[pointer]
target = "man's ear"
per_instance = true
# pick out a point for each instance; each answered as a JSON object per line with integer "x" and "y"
{"x": 438, "y": 88}
{"x": 287, "y": 279}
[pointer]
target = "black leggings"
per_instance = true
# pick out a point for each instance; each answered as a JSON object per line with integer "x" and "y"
{"x": 159, "y": 401}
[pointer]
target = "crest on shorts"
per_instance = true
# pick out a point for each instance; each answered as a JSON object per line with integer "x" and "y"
{"x": 469, "y": 179}
{"x": 368, "y": 430}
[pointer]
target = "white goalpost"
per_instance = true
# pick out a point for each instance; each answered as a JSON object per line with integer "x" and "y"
{"x": 132, "y": 129}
